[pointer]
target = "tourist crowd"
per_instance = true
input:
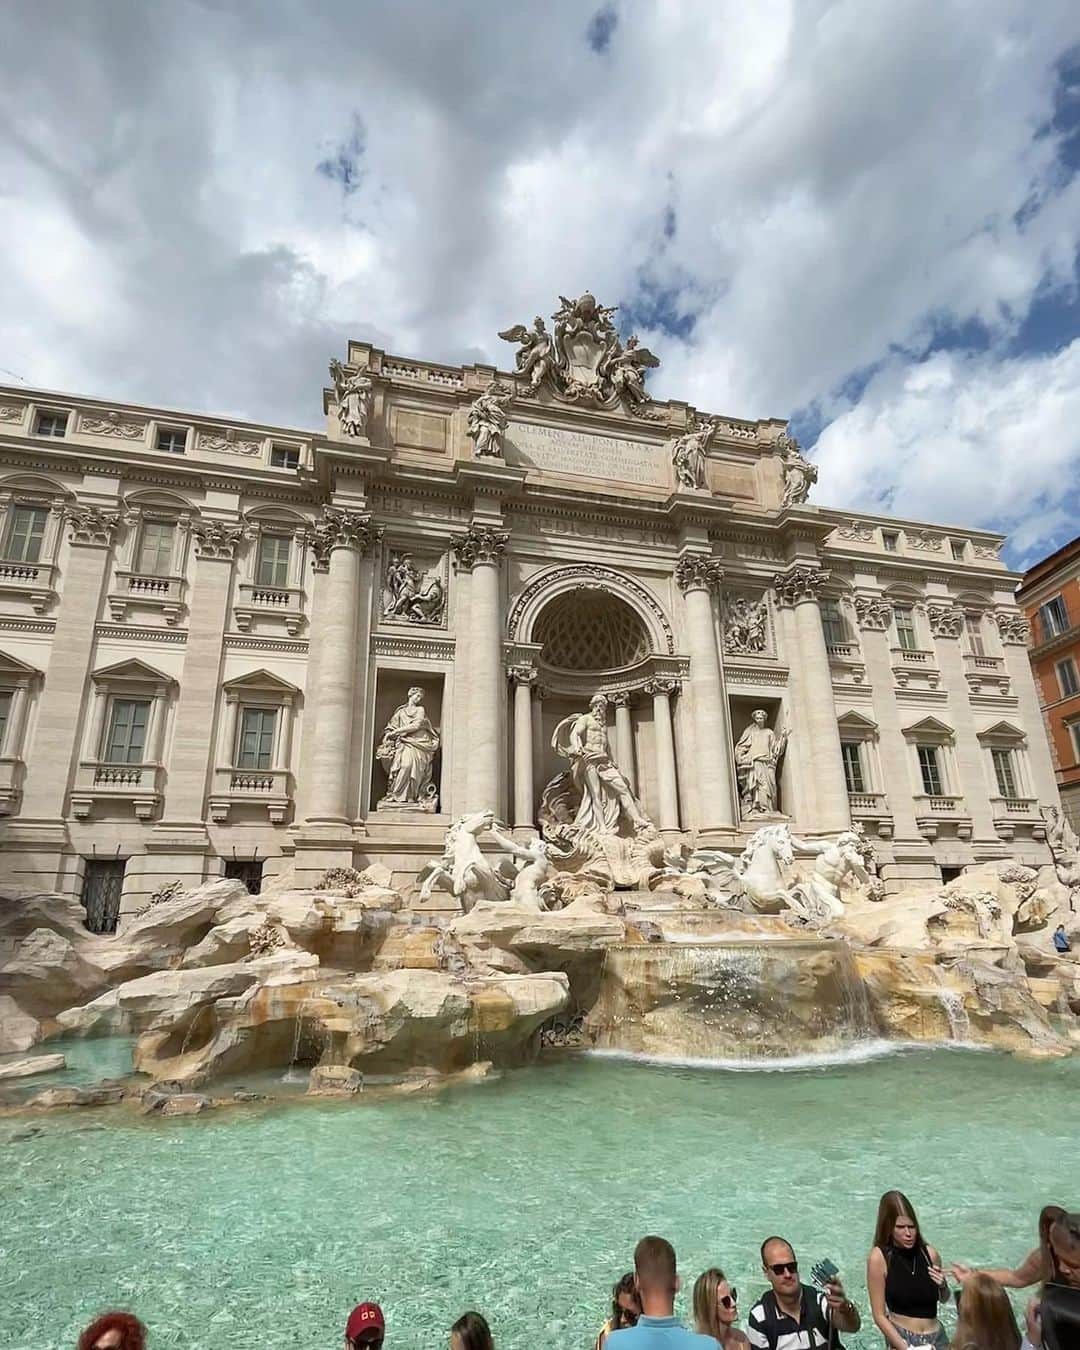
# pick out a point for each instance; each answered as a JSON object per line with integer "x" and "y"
{"x": 906, "y": 1281}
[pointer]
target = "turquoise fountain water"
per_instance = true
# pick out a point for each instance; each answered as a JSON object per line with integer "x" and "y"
{"x": 522, "y": 1198}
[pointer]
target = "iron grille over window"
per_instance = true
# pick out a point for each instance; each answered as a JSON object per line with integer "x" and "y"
{"x": 103, "y": 882}
{"x": 247, "y": 870}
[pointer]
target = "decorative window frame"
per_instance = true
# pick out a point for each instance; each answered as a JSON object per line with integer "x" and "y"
{"x": 159, "y": 424}
{"x": 34, "y": 582}
{"x": 22, "y": 682}
{"x": 270, "y": 788}
{"x": 872, "y": 804}
{"x": 281, "y": 605}
{"x": 1024, "y": 807}
{"x": 140, "y": 784}
{"x": 134, "y": 589}
{"x": 949, "y": 803}
{"x": 39, "y": 410}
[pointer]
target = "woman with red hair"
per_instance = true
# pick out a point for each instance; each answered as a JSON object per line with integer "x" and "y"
{"x": 114, "y": 1331}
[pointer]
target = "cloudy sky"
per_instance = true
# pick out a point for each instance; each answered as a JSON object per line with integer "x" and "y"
{"x": 861, "y": 214}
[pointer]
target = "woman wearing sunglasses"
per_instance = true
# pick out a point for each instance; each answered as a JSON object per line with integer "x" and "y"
{"x": 716, "y": 1310}
{"x": 904, "y": 1278}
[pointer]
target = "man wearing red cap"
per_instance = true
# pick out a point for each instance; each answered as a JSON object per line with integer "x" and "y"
{"x": 365, "y": 1328}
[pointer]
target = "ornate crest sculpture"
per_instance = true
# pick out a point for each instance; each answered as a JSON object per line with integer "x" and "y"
{"x": 583, "y": 360}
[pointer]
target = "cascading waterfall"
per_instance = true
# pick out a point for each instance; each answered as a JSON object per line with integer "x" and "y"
{"x": 952, "y": 1005}
{"x": 754, "y": 1000}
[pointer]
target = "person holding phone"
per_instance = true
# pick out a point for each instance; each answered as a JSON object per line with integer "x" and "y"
{"x": 904, "y": 1278}
{"x": 791, "y": 1315}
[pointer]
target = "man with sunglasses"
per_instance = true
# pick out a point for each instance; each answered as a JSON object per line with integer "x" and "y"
{"x": 792, "y": 1315}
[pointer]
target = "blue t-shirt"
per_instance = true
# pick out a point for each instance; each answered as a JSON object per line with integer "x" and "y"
{"x": 658, "y": 1333}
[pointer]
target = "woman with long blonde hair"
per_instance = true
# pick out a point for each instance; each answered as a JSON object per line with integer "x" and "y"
{"x": 716, "y": 1310}
{"x": 986, "y": 1320}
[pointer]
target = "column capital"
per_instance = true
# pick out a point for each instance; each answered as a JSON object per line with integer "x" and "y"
{"x": 873, "y": 612}
{"x": 661, "y": 686}
{"x": 698, "y": 572}
{"x": 1013, "y": 628}
{"x": 520, "y": 674}
{"x": 479, "y": 544}
{"x": 799, "y": 583}
{"x": 217, "y": 538}
{"x": 620, "y": 698}
{"x": 946, "y": 621}
{"x": 93, "y": 526}
{"x": 341, "y": 527}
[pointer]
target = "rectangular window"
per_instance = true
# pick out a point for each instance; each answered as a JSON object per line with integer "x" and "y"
{"x": 103, "y": 884}
{"x": 1067, "y": 681}
{"x": 25, "y": 534}
{"x": 156, "y": 548}
{"x": 247, "y": 870}
{"x": 1074, "y": 733}
{"x": 905, "y": 628}
{"x": 7, "y": 698}
{"x": 851, "y": 752}
{"x": 273, "y": 564}
{"x": 832, "y": 622}
{"x": 891, "y": 540}
{"x": 957, "y": 546}
{"x": 973, "y": 624}
{"x": 172, "y": 439}
{"x": 1003, "y": 772}
{"x": 930, "y": 770}
{"x": 126, "y": 739}
{"x": 1055, "y": 617}
{"x": 255, "y": 749}
{"x": 51, "y": 424}
{"x": 284, "y": 457}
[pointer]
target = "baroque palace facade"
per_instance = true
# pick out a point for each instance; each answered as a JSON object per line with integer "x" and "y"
{"x": 210, "y": 628}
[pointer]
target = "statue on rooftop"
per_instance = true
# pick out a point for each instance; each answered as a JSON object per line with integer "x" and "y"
{"x": 799, "y": 473}
{"x": 688, "y": 454}
{"x": 487, "y": 419}
{"x": 354, "y": 391}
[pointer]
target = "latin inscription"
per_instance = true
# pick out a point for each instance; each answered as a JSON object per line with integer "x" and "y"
{"x": 558, "y": 450}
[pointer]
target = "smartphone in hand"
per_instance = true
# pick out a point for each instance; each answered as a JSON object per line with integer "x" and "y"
{"x": 823, "y": 1272}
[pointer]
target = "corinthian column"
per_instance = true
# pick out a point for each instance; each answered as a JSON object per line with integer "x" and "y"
{"x": 624, "y": 736}
{"x": 480, "y": 552}
{"x": 826, "y": 805}
{"x": 339, "y": 543}
{"x": 524, "y": 678}
{"x": 697, "y": 576}
{"x": 667, "y": 792}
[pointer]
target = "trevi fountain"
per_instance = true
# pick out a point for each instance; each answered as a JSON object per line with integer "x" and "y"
{"x": 448, "y": 1059}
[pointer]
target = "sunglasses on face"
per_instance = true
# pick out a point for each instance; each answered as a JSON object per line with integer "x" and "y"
{"x": 785, "y": 1268}
{"x": 729, "y": 1300}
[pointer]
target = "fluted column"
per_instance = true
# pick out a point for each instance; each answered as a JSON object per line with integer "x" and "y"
{"x": 480, "y": 552}
{"x": 697, "y": 576}
{"x": 624, "y": 737}
{"x": 827, "y": 805}
{"x": 524, "y": 677}
{"x": 339, "y": 544}
{"x": 667, "y": 791}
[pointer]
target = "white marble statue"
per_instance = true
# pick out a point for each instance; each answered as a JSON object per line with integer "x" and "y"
{"x": 487, "y": 419}
{"x": 354, "y": 396}
{"x": 1065, "y": 851}
{"x": 625, "y": 369}
{"x": 402, "y": 580}
{"x": 463, "y": 870}
{"x": 534, "y": 871}
{"x": 818, "y": 899}
{"x": 688, "y": 454}
{"x": 799, "y": 473}
{"x": 744, "y": 627}
{"x": 757, "y": 755}
{"x": 592, "y": 798}
{"x": 407, "y": 752}
{"x": 536, "y": 355}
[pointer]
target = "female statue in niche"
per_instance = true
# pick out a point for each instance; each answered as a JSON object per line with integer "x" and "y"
{"x": 407, "y": 752}
{"x": 757, "y": 754}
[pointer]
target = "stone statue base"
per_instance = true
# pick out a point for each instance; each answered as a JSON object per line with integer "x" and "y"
{"x": 755, "y": 819}
{"x": 427, "y": 807}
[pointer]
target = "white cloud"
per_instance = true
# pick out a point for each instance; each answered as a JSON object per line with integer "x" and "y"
{"x": 844, "y": 178}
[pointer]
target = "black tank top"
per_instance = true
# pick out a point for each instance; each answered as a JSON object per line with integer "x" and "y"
{"x": 909, "y": 1290}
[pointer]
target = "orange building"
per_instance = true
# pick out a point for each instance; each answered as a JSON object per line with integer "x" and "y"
{"x": 1050, "y": 597}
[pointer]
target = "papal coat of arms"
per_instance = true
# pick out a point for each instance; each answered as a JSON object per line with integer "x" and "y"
{"x": 583, "y": 360}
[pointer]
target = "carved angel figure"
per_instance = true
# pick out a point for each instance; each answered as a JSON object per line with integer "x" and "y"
{"x": 354, "y": 394}
{"x": 487, "y": 419}
{"x": 535, "y": 357}
{"x": 626, "y": 368}
{"x": 688, "y": 453}
{"x": 799, "y": 474}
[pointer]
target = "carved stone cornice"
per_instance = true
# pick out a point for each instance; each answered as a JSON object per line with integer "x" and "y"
{"x": 92, "y": 526}
{"x": 799, "y": 583}
{"x": 480, "y": 544}
{"x": 946, "y": 621}
{"x": 660, "y": 686}
{"x": 341, "y": 527}
{"x": 698, "y": 572}
{"x": 1013, "y": 628}
{"x": 217, "y": 538}
{"x": 873, "y": 612}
